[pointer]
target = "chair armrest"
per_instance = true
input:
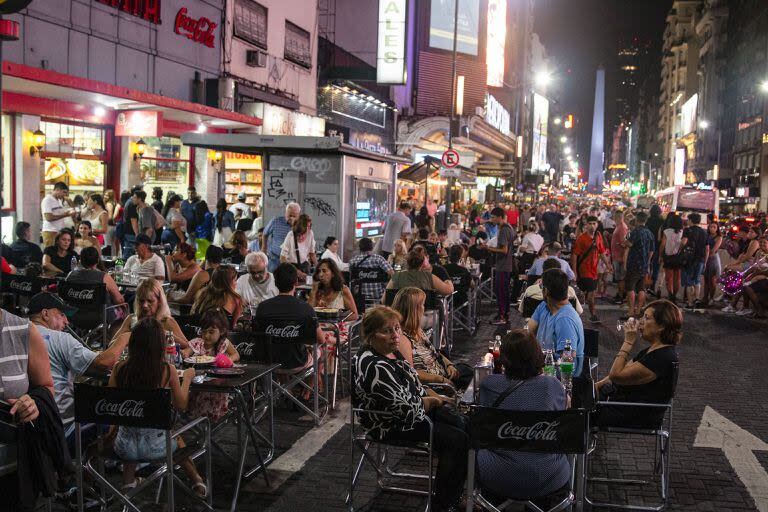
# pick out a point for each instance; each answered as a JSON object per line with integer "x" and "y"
{"x": 635, "y": 404}
{"x": 192, "y": 424}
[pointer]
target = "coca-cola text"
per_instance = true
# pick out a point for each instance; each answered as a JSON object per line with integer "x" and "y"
{"x": 126, "y": 409}
{"x": 541, "y": 431}
{"x": 81, "y": 294}
{"x": 198, "y": 30}
{"x": 287, "y": 331}
{"x": 22, "y": 286}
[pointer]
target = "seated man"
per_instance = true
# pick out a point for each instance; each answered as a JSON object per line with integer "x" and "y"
{"x": 145, "y": 262}
{"x": 366, "y": 259}
{"x": 555, "y": 320}
{"x": 429, "y": 246}
{"x": 534, "y": 291}
{"x": 23, "y": 251}
{"x": 288, "y": 308}
{"x": 69, "y": 358}
{"x": 88, "y": 273}
{"x": 460, "y": 276}
{"x": 481, "y": 255}
{"x": 213, "y": 256}
{"x": 552, "y": 251}
{"x": 258, "y": 284}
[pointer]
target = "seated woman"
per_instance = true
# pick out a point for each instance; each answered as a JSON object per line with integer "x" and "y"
{"x": 213, "y": 256}
{"x": 213, "y": 341}
{"x": 417, "y": 348}
{"x": 182, "y": 266}
{"x": 522, "y": 387}
{"x": 399, "y": 256}
{"x": 329, "y": 291}
{"x": 237, "y": 248}
{"x": 332, "y": 253}
{"x": 145, "y": 368}
{"x": 419, "y": 274}
{"x": 85, "y": 238}
{"x": 384, "y": 381}
{"x": 57, "y": 258}
{"x": 220, "y": 295}
{"x": 175, "y": 231}
{"x": 648, "y": 376}
{"x": 150, "y": 302}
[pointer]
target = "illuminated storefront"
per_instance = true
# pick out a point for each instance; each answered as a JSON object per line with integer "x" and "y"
{"x": 75, "y": 154}
{"x": 243, "y": 173}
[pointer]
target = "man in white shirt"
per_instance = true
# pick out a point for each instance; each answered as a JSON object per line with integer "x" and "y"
{"x": 55, "y": 214}
{"x": 145, "y": 262}
{"x": 396, "y": 227}
{"x": 241, "y": 210}
{"x": 258, "y": 284}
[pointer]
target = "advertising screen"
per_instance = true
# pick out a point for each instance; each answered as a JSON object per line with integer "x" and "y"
{"x": 540, "y": 130}
{"x": 497, "y": 37}
{"x": 441, "y": 25}
{"x": 688, "y": 115}
{"x": 371, "y": 208}
{"x": 697, "y": 200}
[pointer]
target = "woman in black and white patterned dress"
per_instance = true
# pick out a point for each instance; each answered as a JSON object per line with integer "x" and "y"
{"x": 384, "y": 381}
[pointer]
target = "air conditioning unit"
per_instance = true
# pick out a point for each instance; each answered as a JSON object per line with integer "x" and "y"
{"x": 256, "y": 58}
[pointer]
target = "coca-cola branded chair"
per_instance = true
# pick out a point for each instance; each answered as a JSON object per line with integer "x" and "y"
{"x": 361, "y": 276}
{"x": 189, "y": 325}
{"x": 90, "y": 321}
{"x": 143, "y": 409}
{"x": 280, "y": 340}
{"x": 464, "y": 314}
{"x": 544, "y": 432}
{"x": 18, "y": 287}
{"x": 662, "y": 435}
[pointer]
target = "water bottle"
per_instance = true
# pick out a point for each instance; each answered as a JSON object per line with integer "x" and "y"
{"x": 566, "y": 364}
{"x": 73, "y": 263}
{"x": 549, "y": 363}
{"x": 170, "y": 348}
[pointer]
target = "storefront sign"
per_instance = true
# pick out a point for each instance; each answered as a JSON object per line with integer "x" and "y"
{"x": 496, "y": 115}
{"x": 390, "y": 58}
{"x": 281, "y": 121}
{"x": 369, "y": 142}
{"x": 146, "y": 9}
{"x": 199, "y": 30}
{"x": 139, "y": 123}
{"x": 242, "y": 161}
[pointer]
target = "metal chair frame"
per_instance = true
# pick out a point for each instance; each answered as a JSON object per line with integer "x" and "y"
{"x": 387, "y": 479}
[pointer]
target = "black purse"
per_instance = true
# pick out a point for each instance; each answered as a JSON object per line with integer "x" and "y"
{"x": 303, "y": 267}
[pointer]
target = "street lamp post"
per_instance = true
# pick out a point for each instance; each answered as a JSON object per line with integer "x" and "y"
{"x": 451, "y": 180}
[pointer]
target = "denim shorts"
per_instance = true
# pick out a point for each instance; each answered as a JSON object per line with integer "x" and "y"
{"x": 691, "y": 276}
{"x": 140, "y": 444}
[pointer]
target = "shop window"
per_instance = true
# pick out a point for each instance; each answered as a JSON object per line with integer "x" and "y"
{"x": 73, "y": 139}
{"x": 251, "y": 22}
{"x": 166, "y": 163}
{"x": 297, "y": 45}
{"x": 8, "y": 184}
{"x": 76, "y": 155}
{"x": 243, "y": 173}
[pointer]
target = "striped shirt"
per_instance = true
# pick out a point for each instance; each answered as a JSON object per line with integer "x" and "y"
{"x": 14, "y": 355}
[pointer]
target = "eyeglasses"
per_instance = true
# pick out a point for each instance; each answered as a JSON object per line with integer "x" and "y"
{"x": 257, "y": 273}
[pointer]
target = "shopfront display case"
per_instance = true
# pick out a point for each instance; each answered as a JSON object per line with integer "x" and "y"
{"x": 243, "y": 173}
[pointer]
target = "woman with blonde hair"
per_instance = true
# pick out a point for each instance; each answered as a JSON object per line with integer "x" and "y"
{"x": 220, "y": 294}
{"x": 150, "y": 302}
{"x": 417, "y": 348}
{"x": 399, "y": 256}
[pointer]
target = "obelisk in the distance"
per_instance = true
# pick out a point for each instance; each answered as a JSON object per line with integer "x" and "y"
{"x": 597, "y": 154}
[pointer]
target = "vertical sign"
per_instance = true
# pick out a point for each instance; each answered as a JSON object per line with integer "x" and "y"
{"x": 390, "y": 58}
{"x": 497, "y": 37}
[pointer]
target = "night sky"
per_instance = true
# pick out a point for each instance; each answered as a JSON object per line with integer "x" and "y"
{"x": 579, "y": 35}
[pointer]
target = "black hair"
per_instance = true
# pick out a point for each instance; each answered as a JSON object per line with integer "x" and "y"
{"x": 641, "y": 218}
{"x": 60, "y": 185}
{"x": 675, "y": 222}
{"x": 99, "y": 200}
{"x": 125, "y": 195}
{"x": 145, "y": 366}
{"x": 423, "y": 233}
{"x": 337, "y": 281}
{"x": 365, "y": 244}
{"x": 140, "y": 194}
{"x": 157, "y": 193}
{"x": 215, "y": 318}
{"x": 285, "y": 277}
{"x": 556, "y": 283}
{"x": 442, "y": 232}
{"x": 695, "y": 218}
{"x": 521, "y": 355}
{"x": 592, "y": 218}
{"x": 551, "y": 264}
{"x": 498, "y": 212}
{"x": 21, "y": 227}
{"x": 454, "y": 253}
{"x": 89, "y": 257}
{"x": 329, "y": 241}
{"x": 214, "y": 254}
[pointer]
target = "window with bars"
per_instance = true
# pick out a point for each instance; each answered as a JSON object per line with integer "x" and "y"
{"x": 297, "y": 45}
{"x": 251, "y": 22}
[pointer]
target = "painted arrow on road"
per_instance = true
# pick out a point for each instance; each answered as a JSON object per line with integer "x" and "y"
{"x": 716, "y": 431}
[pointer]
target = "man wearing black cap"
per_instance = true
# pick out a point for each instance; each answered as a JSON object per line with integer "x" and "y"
{"x": 69, "y": 358}
{"x": 145, "y": 262}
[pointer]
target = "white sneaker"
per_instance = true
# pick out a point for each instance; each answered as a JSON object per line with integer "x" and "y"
{"x": 744, "y": 312}
{"x": 728, "y": 309}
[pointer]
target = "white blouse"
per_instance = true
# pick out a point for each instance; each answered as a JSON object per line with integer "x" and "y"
{"x": 288, "y": 249}
{"x": 330, "y": 255}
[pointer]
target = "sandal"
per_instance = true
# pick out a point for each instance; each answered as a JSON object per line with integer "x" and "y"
{"x": 200, "y": 485}
{"x": 132, "y": 485}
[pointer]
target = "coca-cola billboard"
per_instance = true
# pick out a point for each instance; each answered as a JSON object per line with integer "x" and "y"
{"x": 541, "y": 431}
{"x": 200, "y": 30}
{"x": 283, "y": 331}
{"x": 124, "y": 409}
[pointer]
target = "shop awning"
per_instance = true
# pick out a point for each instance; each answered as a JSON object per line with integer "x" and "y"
{"x": 429, "y": 167}
{"x": 44, "y": 92}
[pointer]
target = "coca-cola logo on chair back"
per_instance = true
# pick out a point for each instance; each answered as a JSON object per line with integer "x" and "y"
{"x": 22, "y": 285}
{"x": 529, "y": 431}
{"x": 124, "y": 407}
{"x": 84, "y": 296}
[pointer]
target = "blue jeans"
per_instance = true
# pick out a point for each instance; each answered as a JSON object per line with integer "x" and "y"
{"x": 129, "y": 246}
{"x": 274, "y": 261}
{"x": 691, "y": 276}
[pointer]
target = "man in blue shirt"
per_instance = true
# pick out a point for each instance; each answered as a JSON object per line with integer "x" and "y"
{"x": 275, "y": 233}
{"x": 552, "y": 251}
{"x": 188, "y": 212}
{"x": 555, "y": 320}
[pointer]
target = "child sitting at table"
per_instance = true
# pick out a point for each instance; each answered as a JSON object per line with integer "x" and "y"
{"x": 213, "y": 341}
{"x": 146, "y": 368}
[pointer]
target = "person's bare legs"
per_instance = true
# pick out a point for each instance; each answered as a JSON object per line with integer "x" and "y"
{"x": 189, "y": 468}
{"x": 640, "y": 301}
{"x": 631, "y": 302}
{"x": 129, "y": 473}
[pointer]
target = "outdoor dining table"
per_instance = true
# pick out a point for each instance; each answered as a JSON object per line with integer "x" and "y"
{"x": 582, "y": 396}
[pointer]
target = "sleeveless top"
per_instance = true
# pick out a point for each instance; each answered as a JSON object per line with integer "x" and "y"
{"x": 14, "y": 355}
{"x": 672, "y": 245}
{"x": 418, "y": 278}
{"x": 337, "y": 302}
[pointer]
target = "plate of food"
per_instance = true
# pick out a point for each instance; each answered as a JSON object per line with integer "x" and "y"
{"x": 200, "y": 360}
{"x": 225, "y": 372}
{"x": 327, "y": 312}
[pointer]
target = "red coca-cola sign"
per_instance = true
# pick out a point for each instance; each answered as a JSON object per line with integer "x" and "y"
{"x": 199, "y": 30}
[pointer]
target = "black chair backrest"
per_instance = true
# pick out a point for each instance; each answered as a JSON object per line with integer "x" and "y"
{"x": 432, "y": 301}
{"x": 124, "y": 407}
{"x": 675, "y": 377}
{"x": 529, "y": 306}
{"x": 276, "y": 339}
{"x": 591, "y": 338}
{"x": 22, "y": 285}
{"x": 189, "y": 325}
{"x": 251, "y": 346}
{"x": 368, "y": 275}
{"x": 89, "y": 297}
{"x": 529, "y": 431}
